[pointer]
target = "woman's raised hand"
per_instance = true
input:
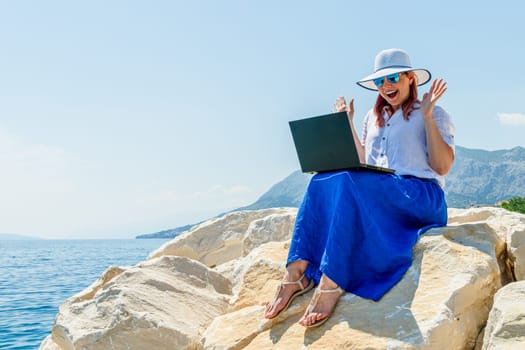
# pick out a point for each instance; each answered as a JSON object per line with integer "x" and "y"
{"x": 340, "y": 106}
{"x": 437, "y": 89}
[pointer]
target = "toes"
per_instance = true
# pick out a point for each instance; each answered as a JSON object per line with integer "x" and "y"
{"x": 267, "y": 310}
{"x": 314, "y": 318}
{"x": 310, "y": 319}
{"x": 272, "y": 309}
{"x": 270, "y": 312}
{"x": 303, "y": 321}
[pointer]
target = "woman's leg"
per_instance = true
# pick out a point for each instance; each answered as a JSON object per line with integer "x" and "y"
{"x": 288, "y": 288}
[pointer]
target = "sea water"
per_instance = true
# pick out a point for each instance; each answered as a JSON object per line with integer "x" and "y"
{"x": 36, "y": 276}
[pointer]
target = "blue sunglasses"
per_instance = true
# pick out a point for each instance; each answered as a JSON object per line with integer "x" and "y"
{"x": 392, "y": 78}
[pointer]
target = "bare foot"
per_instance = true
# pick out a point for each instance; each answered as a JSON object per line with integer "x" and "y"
{"x": 322, "y": 304}
{"x": 294, "y": 283}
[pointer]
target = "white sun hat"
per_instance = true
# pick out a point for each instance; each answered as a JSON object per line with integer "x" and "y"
{"x": 393, "y": 61}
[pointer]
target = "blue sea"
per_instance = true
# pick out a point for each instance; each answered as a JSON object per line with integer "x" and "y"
{"x": 36, "y": 276}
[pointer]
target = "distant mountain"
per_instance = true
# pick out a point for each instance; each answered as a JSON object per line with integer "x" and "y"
{"x": 166, "y": 233}
{"x": 286, "y": 193}
{"x": 478, "y": 177}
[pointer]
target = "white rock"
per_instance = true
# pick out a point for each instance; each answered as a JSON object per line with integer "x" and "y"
{"x": 175, "y": 300}
{"x": 506, "y": 324}
{"x": 441, "y": 303}
{"x": 49, "y": 344}
{"x": 510, "y": 226}
{"x": 231, "y": 236}
{"x": 162, "y": 303}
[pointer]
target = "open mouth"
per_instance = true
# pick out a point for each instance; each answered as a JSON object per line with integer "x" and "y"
{"x": 392, "y": 94}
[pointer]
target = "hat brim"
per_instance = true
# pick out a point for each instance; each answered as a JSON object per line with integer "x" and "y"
{"x": 423, "y": 76}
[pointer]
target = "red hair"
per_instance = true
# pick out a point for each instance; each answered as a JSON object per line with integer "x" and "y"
{"x": 407, "y": 106}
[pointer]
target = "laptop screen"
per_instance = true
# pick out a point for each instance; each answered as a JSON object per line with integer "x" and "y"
{"x": 324, "y": 143}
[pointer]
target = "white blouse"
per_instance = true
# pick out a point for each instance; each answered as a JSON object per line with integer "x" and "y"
{"x": 401, "y": 144}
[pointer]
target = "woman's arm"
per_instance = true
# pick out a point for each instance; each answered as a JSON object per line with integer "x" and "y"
{"x": 440, "y": 154}
{"x": 340, "y": 106}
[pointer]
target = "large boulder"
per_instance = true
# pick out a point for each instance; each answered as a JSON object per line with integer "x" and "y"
{"x": 231, "y": 236}
{"x": 163, "y": 301}
{"x": 510, "y": 226}
{"x": 506, "y": 324}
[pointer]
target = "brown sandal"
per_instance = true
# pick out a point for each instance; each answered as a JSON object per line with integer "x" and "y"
{"x": 315, "y": 299}
{"x": 295, "y": 294}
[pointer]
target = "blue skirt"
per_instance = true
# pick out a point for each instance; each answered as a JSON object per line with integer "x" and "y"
{"x": 359, "y": 227}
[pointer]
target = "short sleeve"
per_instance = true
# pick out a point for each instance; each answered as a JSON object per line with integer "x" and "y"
{"x": 445, "y": 126}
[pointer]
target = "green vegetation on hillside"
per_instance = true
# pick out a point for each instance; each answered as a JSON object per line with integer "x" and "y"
{"x": 516, "y": 204}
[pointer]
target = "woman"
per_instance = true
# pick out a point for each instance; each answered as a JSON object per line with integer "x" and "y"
{"x": 355, "y": 230}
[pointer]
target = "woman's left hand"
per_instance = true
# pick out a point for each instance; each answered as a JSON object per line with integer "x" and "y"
{"x": 440, "y": 154}
{"x": 430, "y": 98}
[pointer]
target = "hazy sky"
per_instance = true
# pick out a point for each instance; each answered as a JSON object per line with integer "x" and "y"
{"x": 125, "y": 117}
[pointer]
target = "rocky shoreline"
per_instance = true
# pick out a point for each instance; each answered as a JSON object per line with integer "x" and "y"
{"x": 206, "y": 288}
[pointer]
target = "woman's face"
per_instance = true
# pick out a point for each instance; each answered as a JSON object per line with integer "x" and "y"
{"x": 397, "y": 93}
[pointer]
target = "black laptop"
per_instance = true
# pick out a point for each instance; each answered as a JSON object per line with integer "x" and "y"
{"x": 325, "y": 143}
